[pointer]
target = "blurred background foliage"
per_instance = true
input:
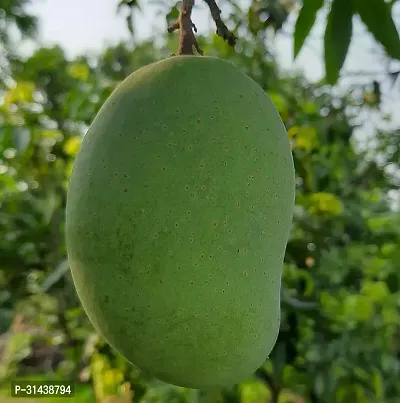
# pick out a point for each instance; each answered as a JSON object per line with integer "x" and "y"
{"x": 340, "y": 332}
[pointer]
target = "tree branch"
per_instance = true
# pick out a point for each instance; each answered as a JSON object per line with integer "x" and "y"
{"x": 187, "y": 39}
{"x": 222, "y": 29}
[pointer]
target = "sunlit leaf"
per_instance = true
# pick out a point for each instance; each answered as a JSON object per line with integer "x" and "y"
{"x": 79, "y": 71}
{"x": 304, "y": 137}
{"x": 390, "y": 315}
{"x": 388, "y": 248}
{"x": 359, "y": 307}
{"x": 72, "y": 145}
{"x": 22, "y": 92}
{"x": 310, "y": 108}
{"x": 377, "y": 291}
{"x": 376, "y": 267}
{"x": 381, "y": 223}
{"x": 293, "y": 131}
{"x": 279, "y": 101}
{"x": 325, "y": 203}
{"x": 52, "y": 134}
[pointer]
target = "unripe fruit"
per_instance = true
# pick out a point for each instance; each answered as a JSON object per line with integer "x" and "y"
{"x": 178, "y": 214}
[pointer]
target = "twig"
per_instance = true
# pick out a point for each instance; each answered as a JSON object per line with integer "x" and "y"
{"x": 187, "y": 39}
{"x": 222, "y": 29}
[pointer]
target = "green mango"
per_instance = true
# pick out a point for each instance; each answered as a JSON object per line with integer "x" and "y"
{"x": 179, "y": 210}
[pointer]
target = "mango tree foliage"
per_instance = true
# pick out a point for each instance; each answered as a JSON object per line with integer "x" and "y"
{"x": 340, "y": 293}
{"x": 339, "y": 337}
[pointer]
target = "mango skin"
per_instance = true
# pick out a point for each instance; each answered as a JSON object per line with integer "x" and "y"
{"x": 179, "y": 210}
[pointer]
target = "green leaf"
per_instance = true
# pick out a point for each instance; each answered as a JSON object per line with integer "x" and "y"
{"x": 128, "y": 3}
{"x": 129, "y": 22}
{"x": 337, "y": 38}
{"x": 305, "y": 22}
{"x": 173, "y": 15}
{"x": 377, "y": 16}
{"x": 131, "y": 5}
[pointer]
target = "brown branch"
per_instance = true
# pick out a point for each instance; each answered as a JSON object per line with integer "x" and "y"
{"x": 222, "y": 29}
{"x": 187, "y": 39}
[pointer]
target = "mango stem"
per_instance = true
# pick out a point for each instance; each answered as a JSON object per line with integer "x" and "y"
{"x": 187, "y": 40}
